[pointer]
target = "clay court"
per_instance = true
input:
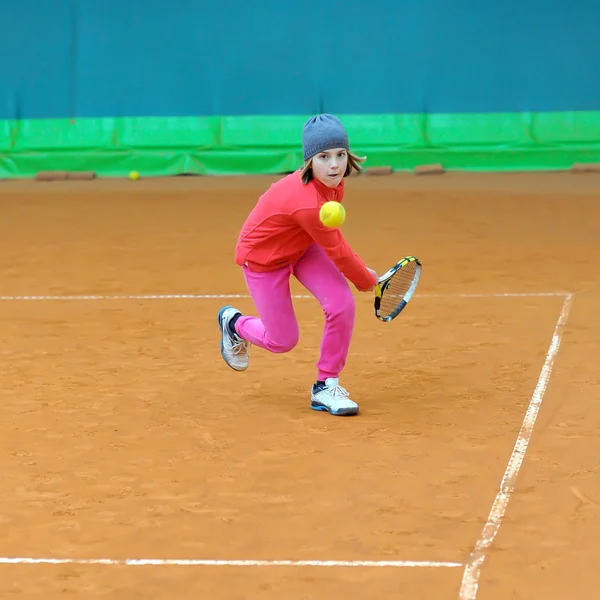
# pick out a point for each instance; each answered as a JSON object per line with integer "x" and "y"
{"x": 126, "y": 438}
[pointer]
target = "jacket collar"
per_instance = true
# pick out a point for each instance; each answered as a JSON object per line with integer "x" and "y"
{"x": 336, "y": 193}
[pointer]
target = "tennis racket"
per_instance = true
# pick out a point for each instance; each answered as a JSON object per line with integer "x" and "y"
{"x": 396, "y": 287}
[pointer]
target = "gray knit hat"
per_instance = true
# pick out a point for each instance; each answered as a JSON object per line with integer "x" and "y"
{"x": 323, "y": 132}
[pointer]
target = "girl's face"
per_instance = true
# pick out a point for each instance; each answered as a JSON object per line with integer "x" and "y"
{"x": 329, "y": 166}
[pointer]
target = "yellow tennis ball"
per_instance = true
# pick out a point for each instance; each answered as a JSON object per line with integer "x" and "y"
{"x": 134, "y": 175}
{"x": 332, "y": 214}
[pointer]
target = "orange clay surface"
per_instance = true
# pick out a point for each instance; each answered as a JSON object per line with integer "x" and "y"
{"x": 125, "y": 436}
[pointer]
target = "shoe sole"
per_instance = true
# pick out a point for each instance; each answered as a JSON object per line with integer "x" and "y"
{"x": 219, "y": 321}
{"x": 342, "y": 412}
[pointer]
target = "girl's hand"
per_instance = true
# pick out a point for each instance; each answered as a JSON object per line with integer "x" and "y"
{"x": 376, "y": 277}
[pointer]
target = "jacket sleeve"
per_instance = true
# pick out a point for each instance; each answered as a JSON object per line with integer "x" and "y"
{"x": 337, "y": 248}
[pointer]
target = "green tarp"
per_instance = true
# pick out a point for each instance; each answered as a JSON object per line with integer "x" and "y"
{"x": 268, "y": 145}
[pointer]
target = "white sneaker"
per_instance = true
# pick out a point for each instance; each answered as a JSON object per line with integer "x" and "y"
{"x": 234, "y": 349}
{"x": 333, "y": 398}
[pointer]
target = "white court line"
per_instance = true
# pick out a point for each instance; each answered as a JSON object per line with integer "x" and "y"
{"x": 470, "y": 580}
{"x": 137, "y": 562}
{"x": 472, "y": 568}
{"x": 217, "y": 296}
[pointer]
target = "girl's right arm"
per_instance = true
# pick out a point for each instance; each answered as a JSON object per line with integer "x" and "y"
{"x": 338, "y": 249}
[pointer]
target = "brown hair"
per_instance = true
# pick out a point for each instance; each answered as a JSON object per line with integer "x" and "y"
{"x": 353, "y": 165}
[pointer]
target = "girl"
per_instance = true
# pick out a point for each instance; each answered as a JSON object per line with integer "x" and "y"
{"x": 284, "y": 236}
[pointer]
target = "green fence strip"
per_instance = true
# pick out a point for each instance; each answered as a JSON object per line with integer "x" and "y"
{"x": 157, "y": 146}
{"x": 64, "y": 134}
{"x": 477, "y": 130}
{"x": 167, "y": 132}
{"x": 566, "y": 128}
{"x": 262, "y": 132}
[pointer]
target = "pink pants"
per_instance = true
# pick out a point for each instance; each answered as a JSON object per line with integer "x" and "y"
{"x": 277, "y": 328}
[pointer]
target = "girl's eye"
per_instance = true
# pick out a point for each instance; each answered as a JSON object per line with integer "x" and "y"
{"x": 341, "y": 155}
{"x": 323, "y": 157}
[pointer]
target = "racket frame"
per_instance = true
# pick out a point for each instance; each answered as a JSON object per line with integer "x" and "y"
{"x": 384, "y": 281}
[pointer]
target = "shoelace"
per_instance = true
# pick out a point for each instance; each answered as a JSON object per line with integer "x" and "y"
{"x": 337, "y": 391}
{"x": 239, "y": 345}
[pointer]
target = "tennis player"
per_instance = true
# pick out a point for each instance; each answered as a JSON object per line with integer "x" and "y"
{"x": 284, "y": 236}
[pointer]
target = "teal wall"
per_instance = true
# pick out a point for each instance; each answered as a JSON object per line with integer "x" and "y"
{"x": 99, "y": 58}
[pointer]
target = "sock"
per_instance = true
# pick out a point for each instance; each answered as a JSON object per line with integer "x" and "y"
{"x": 232, "y": 323}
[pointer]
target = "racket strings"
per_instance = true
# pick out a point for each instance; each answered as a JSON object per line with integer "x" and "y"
{"x": 397, "y": 288}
